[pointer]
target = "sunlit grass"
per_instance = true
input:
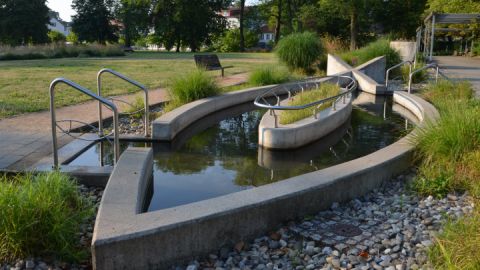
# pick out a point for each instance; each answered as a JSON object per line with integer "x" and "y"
{"x": 324, "y": 91}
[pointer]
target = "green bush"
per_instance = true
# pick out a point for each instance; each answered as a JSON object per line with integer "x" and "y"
{"x": 375, "y": 49}
{"x": 417, "y": 77}
{"x": 59, "y": 51}
{"x": 190, "y": 87}
{"x": 447, "y": 148}
{"x": 56, "y": 37}
{"x": 324, "y": 91}
{"x": 230, "y": 41}
{"x": 267, "y": 75}
{"x": 299, "y": 51}
{"x": 40, "y": 215}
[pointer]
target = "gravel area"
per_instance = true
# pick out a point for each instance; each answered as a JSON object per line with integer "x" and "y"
{"x": 386, "y": 229}
{"x": 85, "y": 238}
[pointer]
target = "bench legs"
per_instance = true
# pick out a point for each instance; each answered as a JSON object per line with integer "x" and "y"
{"x": 223, "y": 72}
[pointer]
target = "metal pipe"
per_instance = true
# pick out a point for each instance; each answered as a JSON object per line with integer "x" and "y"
{"x": 394, "y": 67}
{"x": 133, "y": 82}
{"x": 89, "y": 93}
{"x": 432, "y": 37}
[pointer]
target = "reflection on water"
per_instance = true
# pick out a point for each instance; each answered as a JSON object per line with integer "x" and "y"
{"x": 223, "y": 156}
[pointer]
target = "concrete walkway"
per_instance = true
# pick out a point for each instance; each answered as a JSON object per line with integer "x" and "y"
{"x": 27, "y": 138}
{"x": 461, "y": 68}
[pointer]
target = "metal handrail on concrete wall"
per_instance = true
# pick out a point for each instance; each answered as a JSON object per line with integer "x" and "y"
{"x": 395, "y": 67}
{"x": 429, "y": 66}
{"x": 90, "y": 94}
{"x": 133, "y": 82}
{"x": 261, "y": 101}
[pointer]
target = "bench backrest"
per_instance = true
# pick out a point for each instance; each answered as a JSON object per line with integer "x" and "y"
{"x": 207, "y": 61}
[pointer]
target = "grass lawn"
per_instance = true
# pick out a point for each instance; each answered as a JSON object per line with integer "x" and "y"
{"x": 24, "y": 84}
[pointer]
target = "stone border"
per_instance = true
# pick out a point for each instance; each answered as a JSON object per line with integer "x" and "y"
{"x": 304, "y": 131}
{"x": 124, "y": 238}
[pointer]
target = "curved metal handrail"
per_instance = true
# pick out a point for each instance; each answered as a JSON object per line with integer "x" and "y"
{"x": 387, "y": 75}
{"x": 348, "y": 89}
{"x": 133, "y": 82}
{"x": 429, "y": 66}
{"x": 89, "y": 93}
{"x": 351, "y": 86}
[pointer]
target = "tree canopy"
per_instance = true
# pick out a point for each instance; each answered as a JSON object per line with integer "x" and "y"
{"x": 23, "y": 21}
{"x": 94, "y": 21}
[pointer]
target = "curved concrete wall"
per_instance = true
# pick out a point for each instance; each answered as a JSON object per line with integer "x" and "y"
{"x": 124, "y": 238}
{"x": 304, "y": 131}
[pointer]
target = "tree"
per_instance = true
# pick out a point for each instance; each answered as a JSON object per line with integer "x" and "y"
{"x": 72, "y": 38}
{"x": 191, "y": 23}
{"x": 242, "y": 18}
{"x": 56, "y": 37}
{"x": 94, "y": 21}
{"x": 23, "y": 21}
{"x": 134, "y": 15}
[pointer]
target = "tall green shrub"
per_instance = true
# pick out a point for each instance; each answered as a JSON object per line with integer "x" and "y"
{"x": 40, "y": 215}
{"x": 299, "y": 51}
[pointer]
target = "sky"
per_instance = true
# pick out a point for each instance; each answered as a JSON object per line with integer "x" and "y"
{"x": 64, "y": 7}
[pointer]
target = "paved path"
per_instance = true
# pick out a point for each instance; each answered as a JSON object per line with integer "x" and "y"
{"x": 27, "y": 138}
{"x": 462, "y": 68}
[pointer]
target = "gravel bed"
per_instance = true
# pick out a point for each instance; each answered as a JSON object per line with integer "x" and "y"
{"x": 85, "y": 239}
{"x": 388, "y": 228}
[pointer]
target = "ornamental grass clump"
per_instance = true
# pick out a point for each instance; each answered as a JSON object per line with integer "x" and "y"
{"x": 190, "y": 87}
{"x": 41, "y": 215}
{"x": 268, "y": 75}
{"x": 375, "y": 49}
{"x": 324, "y": 91}
{"x": 299, "y": 51}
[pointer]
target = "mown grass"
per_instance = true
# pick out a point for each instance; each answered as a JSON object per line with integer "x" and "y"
{"x": 324, "y": 91}
{"x": 375, "y": 49}
{"x": 40, "y": 215}
{"x": 192, "y": 86}
{"x": 449, "y": 155}
{"x": 24, "y": 84}
{"x": 267, "y": 75}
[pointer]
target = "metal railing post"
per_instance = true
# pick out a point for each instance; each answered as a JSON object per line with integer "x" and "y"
{"x": 90, "y": 94}
{"x": 146, "y": 120}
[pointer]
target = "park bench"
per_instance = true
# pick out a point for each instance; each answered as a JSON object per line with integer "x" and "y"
{"x": 209, "y": 62}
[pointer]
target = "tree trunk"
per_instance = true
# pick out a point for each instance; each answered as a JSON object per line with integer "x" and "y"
{"x": 242, "y": 36}
{"x": 279, "y": 21}
{"x": 178, "y": 46}
{"x": 353, "y": 29}
{"x": 290, "y": 16}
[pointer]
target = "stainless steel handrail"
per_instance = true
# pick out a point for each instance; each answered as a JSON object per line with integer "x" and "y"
{"x": 89, "y": 93}
{"x": 394, "y": 67}
{"x": 348, "y": 89}
{"x": 432, "y": 66}
{"x": 133, "y": 82}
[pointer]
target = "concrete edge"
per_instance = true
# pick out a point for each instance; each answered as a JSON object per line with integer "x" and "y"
{"x": 128, "y": 240}
{"x": 305, "y": 131}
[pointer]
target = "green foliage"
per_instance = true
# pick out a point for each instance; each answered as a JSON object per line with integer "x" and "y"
{"x": 268, "y": 75}
{"x": 299, "y": 51}
{"x": 325, "y": 90}
{"x": 190, "y": 87}
{"x": 56, "y": 37}
{"x": 191, "y": 23}
{"x": 59, "y": 51}
{"x": 134, "y": 14}
{"x": 230, "y": 40}
{"x": 447, "y": 149}
{"x": 41, "y": 216}
{"x": 137, "y": 107}
{"x": 92, "y": 23}
{"x": 378, "y": 48}
{"x": 476, "y": 49}
{"x": 72, "y": 38}
{"x": 417, "y": 77}
{"x": 23, "y": 22}
{"x": 453, "y": 6}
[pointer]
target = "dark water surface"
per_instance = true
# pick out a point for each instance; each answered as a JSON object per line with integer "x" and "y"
{"x": 219, "y": 154}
